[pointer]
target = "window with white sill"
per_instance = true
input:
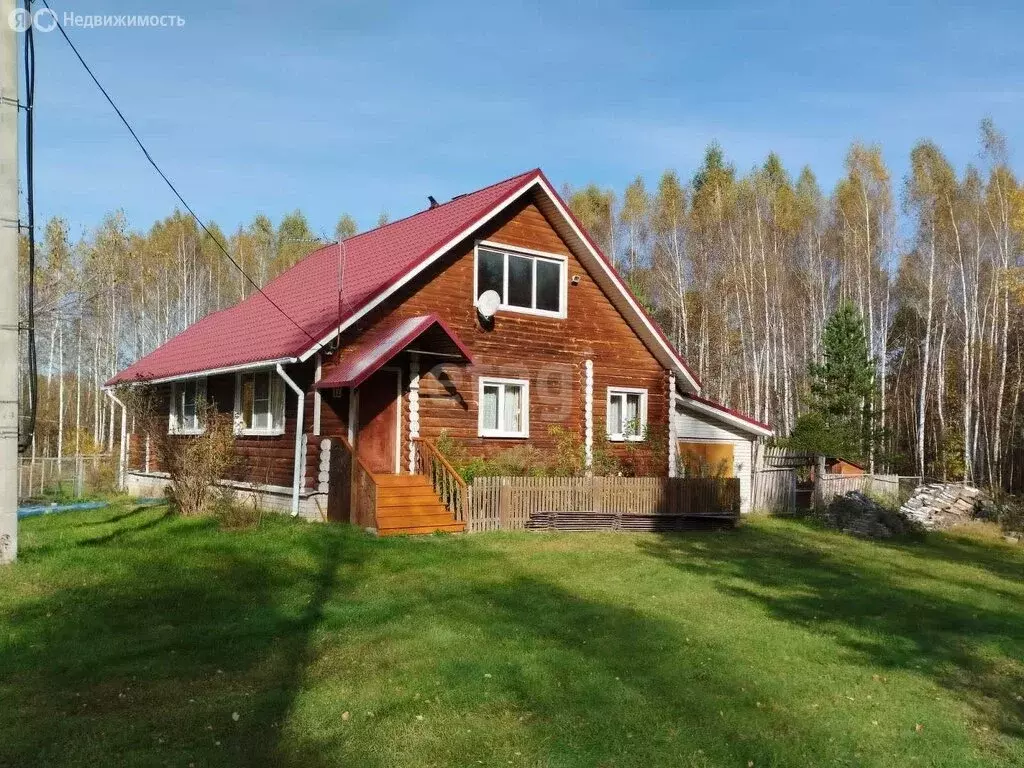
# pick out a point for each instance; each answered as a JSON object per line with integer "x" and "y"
{"x": 259, "y": 403}
{"x": 504, "y": 408}
{"x": 525, "y": 282}
{"x": 627, "y": 414}
{"x": 187, "y": 398}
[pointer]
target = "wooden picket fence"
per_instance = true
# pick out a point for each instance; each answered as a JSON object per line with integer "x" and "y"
{"x": 774, "y": 490}
{"x": 617, "y": 503}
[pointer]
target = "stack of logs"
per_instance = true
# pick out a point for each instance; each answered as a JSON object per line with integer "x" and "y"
{"x": 937, "y": 506}
{"x": 859, "y": 515}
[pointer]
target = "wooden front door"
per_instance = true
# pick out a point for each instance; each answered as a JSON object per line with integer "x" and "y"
{"x": 379, "y": 424}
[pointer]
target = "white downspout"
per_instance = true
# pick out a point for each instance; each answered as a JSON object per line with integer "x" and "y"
{"x": 299, "y": 414}
{"x": 123, "y": 452}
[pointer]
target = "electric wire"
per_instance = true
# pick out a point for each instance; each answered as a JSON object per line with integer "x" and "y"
{"x": 163, "y": 176}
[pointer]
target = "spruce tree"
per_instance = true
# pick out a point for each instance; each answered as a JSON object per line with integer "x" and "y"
{"x": 841, "y": 419}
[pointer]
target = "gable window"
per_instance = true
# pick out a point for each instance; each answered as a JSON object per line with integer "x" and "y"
{"x": 504, "y": 408}
{"x": 186, "y": 407}
{"x": 526, "y": 282}
{"x": 627, "y": 413}
{"x": 259, "y": 403}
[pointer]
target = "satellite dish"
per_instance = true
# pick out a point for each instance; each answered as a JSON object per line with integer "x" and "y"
{"x": 487, "y": 304}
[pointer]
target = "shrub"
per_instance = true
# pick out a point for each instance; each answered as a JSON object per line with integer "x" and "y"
{"x": 570, "y": 456}
{"x": 528, "y": 461}
{"x": 194, "y": 463}
{"x": 648, "y": 456}
{"x": 237, "y": 514}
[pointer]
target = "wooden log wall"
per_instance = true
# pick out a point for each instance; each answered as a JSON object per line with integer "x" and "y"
{"x": 549, "y": 352}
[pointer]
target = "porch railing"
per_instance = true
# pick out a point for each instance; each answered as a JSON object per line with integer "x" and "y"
{"x": 449, "y": 486}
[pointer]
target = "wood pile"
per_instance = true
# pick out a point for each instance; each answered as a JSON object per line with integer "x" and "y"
{"x": 937, "y": 506}
{"x": 859, "y": 515}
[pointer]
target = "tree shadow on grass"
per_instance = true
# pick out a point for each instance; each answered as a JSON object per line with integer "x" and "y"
{"x": 132, "y": 511}
{"x": 141, "y": 652}
{"x": 963, "y": 632}
{"x": 496, "y": 664}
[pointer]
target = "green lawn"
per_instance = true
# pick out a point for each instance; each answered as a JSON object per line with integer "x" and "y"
{"x": 131, "y": 637}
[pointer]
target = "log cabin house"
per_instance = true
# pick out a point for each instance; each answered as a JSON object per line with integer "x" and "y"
{"x": 492, "y": 317}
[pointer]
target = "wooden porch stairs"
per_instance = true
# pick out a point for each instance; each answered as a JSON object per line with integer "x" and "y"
{"x": 407, "y": 504}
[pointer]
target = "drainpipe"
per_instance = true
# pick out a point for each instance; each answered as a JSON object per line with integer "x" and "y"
{"x": 299, "y": 413}
{"x": 121, "y": 459}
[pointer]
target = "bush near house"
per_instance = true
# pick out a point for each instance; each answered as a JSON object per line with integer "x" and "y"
{"x": 194, "y": 463}
{"x": 643, "y": 458}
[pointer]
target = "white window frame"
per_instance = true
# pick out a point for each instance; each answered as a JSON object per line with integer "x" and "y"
{"x": 622, "y": 392}
{"x": 501, "y": 383}
{"x": 509, "y": 250}
{"x": 275, "y": 381}
{"x": 173, "y": 428}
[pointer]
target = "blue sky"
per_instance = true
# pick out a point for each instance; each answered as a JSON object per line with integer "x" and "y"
{"x": 365, "y": 107}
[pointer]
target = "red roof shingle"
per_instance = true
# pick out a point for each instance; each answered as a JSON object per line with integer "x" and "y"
{"x": 254, "y": 330}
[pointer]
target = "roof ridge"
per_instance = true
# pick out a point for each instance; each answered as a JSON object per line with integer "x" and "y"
{"x": 524, "y": 174}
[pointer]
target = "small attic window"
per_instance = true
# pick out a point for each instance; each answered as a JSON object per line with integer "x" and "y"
{"x": 528, "y": 282}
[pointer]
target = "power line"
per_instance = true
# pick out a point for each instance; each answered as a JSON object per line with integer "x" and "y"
{"x": 33, "y": 366}
{"x": 163, "y": 176}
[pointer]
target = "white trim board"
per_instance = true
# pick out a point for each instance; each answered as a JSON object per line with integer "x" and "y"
{"x": 211, "y": 372}
{"x": 677, "y": 362}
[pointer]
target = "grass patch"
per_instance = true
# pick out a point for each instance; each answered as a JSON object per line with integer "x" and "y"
{"x": 132, "y": 637}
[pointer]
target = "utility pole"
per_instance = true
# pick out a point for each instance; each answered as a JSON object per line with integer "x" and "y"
{"x": 9, "y": 357}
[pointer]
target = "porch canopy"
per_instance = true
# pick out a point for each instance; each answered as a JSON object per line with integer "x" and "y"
{"x": 380, "y": 345}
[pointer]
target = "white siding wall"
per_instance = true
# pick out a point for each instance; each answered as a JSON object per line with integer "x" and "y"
{"x": 698, "y": 428}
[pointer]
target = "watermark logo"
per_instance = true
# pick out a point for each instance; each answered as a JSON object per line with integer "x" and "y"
{"x": 45, "y": 20}
{"x": 21, "y": 19}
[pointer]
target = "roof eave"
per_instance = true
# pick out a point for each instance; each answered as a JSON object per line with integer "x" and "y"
{"x": 728, "y": 415}
{"x": 110, "y": 384}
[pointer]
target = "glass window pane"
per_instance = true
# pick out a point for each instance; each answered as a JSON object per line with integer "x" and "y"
{"x": 247, "y": 401}
{"x": 188, "y": 405}
{"x": 490, "y": 272}
{"x": 513, "y": 411}
{"x": 490, "y": 406}
{"x": 632, "y": 424}
{"x": 549, "y": 285}
{"x": 276, "y": 403}
{"x": 520, "y": 282}
{"x": 260, "y": 418}
{"x": 615, "y": 415}
{"x": 177, "y": 403}
{"x": 262, "y": 386}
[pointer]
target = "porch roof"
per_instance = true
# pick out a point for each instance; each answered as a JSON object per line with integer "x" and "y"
{"x": 381, "y": 345}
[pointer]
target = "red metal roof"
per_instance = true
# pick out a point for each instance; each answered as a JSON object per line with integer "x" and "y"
{"x": 253, "y": 330}
{"x": 382, "y": 344}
